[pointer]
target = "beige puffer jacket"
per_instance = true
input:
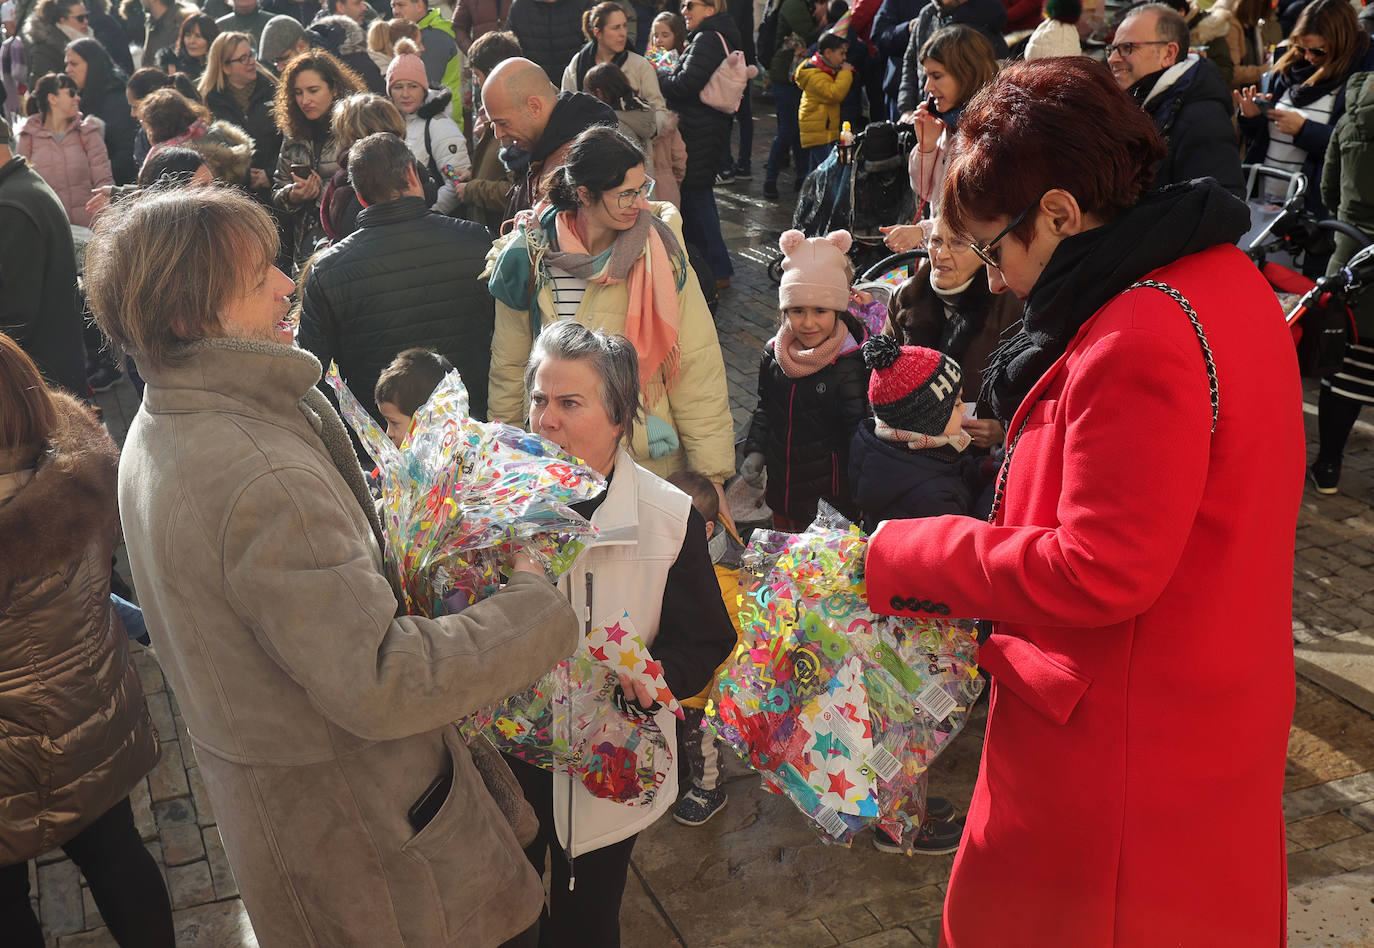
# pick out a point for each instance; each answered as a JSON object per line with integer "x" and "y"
{"x": 75, "y": 735}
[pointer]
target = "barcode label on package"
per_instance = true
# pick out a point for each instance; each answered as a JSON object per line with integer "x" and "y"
{"x": 936, "y": 702}
{"x": 884, "y": 763}
{"x": 831, "y": 821}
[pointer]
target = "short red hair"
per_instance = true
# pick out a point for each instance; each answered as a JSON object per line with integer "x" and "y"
{"x": 1050, "y": 123}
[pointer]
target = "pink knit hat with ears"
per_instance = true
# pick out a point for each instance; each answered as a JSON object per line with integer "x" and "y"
{"x": 815, "y": 271}
{"x": 406, "y": 65}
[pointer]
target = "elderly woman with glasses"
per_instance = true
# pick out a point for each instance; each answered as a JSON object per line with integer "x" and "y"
{"x": 601, "y": 253}
{"x": 1288, "y": 120}
{"x": 1138, "y": 560}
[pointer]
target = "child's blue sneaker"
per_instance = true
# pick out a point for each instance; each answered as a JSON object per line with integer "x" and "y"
{"x": 698, "y": 805}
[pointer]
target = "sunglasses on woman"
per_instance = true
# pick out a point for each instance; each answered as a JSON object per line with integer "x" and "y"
{"x": 984, "y": 251}
{"x": 80, "y": 17}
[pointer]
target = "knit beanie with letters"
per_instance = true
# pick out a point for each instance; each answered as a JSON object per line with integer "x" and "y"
{"x": 815, "y": 271}
{"x": 912, "y": 388}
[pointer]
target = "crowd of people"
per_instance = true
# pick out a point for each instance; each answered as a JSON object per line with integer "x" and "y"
{"x": 1076, "y": 419}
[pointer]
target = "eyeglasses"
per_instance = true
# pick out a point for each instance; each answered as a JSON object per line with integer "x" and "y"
{"x": 984, "y": 252}
{"x": 1128, "y": 49}
{"x": 1314, "y": 53}
{"x": 940, "y": 245}
{"x": 243, "y": 60}
{"x": 80, "y": 17}
{"x": 626, "y": 199}
{"x": 689, "y": 4}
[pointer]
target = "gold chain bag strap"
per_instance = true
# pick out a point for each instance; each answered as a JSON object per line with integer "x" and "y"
{"x": 1188, "y": 311}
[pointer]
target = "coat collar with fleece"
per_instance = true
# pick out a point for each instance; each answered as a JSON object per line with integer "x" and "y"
{"x": 86, "y": 124}
{"x": 71, "y": 495}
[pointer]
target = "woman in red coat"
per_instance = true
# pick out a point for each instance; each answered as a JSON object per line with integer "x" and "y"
{"x": 1139, "y": 563}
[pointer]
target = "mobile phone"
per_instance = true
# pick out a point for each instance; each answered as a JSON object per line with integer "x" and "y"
{"x": 1264, "y": 105}
{"x": 301, "y": 171}
{"x": 427, "y": 804}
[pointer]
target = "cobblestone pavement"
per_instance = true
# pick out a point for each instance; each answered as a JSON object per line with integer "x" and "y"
{"x": 756, "y": 875}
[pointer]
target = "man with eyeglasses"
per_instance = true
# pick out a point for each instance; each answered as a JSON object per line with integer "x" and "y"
{"x": 248, "y": 17}
{"x": 1184, "y": 94}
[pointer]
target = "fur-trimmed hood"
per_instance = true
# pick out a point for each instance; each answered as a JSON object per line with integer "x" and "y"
{"x": 1216, "y": 23}
{"x": 70, "y": 497}
{"x": 39, "y": 32}
{"x": 227, "y": 150}
{"x": 340, "y": 34}
{"x": 437, "y": 102}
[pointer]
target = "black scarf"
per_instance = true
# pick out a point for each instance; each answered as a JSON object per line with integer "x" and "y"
{"x": 1088, "y": 269}
{"x": 586, "y": 59}
{"x": 1303, "y": 95}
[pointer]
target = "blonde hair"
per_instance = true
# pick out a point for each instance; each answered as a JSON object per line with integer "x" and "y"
{"x": 363, "y": 114}
{"x": 379, "y": 36}
{"x": 217, "y": 240}
{"x": 221, "y": 50}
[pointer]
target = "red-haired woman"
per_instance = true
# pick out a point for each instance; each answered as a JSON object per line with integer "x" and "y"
{"x": 1138, "y": 563}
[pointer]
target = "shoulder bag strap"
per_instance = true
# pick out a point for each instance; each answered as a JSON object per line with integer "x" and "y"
{"x": 1207, "y": 359}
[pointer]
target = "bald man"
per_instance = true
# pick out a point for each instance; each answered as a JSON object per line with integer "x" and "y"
{"x": 535, "y": 123}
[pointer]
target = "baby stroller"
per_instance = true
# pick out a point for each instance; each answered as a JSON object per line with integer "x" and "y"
{"x": 1287, "y": 243}
{"x": 871, "y": 190}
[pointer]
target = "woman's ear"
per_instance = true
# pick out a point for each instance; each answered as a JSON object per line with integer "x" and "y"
{"x": 584, "y": 197}
{"x": 1062, "y": 214}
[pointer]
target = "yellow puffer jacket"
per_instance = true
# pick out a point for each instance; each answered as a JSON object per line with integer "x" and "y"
{"x": 698, "y": 405}
{"x": 822, "y": 93}
{"x": 729, "y": 591}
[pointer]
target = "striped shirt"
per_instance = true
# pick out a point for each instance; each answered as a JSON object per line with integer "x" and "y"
{"x": 568, "y": 291}
{"x": 1282, "y": 152}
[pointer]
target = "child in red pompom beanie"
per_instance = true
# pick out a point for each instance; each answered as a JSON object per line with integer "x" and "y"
{"x": 908, "y": 460}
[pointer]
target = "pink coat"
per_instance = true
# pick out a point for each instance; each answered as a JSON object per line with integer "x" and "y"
{"x": 73, "y": 166}
{"x": 1140, "y": 578}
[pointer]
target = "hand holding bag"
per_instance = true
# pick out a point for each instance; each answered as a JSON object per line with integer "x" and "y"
{"x": 724, "y": 90}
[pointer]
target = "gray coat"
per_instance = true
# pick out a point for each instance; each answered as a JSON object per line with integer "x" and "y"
{"x": 318, "y": 716}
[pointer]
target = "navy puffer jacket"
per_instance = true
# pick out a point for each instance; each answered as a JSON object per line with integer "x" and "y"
{"x": 406, "y": 277}
{"x": 803, "y": 427}
{"x": 891, "y": 482}
{"x": 550, "y": 32}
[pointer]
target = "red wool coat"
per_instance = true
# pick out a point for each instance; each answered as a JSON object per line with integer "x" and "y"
{"x": 1140, "y": 575}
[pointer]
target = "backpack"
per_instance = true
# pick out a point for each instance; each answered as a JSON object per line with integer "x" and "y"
{"x": 725, "y": 89}
{"x": 768, "y": 33}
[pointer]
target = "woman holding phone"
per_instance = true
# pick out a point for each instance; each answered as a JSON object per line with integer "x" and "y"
{"x": 310, "y": 85}
{"x": 1288, "y": 124}
{"x": 958, "y": 61}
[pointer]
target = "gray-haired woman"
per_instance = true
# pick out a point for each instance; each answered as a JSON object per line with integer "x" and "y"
{"x": 649, "y": 560}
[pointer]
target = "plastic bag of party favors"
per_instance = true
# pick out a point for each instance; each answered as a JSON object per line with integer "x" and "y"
{"x": 460, "y": 495}
{"x": 837, "y": 708}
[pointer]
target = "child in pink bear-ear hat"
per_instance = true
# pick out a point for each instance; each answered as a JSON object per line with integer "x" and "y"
{"x": 813, "y": 385}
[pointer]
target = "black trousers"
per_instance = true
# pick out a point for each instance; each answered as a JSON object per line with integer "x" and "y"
{"x": 124, "y": 880}
{"x": 589, "y": 915}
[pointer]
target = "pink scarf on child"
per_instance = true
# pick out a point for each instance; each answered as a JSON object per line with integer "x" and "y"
{"x": 797, "y": 362}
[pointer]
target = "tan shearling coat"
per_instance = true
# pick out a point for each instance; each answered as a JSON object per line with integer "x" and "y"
{"x": 75, "y": 735}
{"x": 318, "y": 716}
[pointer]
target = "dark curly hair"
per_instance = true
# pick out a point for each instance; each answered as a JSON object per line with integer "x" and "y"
{"x": 340, "y": 78}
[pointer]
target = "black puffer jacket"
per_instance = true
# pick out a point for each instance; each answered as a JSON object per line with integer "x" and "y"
{"x": 891, "y": 482}
{"x": 406, "y": 277}
{"x": 111, "y": 107}
{"x": 550, "y": 33}
{"x": 704, "y": 129}
{"x": 257, "y": 122}
{"x": 343, "y": 37}
{"x": 803, "y": 427}
{"x": 1191, "y": 107}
